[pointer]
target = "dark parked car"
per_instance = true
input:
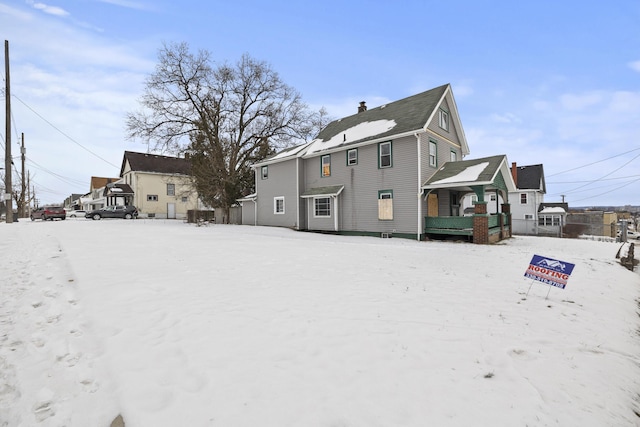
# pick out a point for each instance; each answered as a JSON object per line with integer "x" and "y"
{"x": 48, "y": 212}
{"x": 126, "y": 212}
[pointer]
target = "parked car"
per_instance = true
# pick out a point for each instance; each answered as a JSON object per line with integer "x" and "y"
{"x": 77, "y": 214}
{"x": 48, "y": 212}
{"x": 126, "y": 212}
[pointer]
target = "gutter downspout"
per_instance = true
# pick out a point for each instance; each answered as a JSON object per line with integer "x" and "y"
{"x": 298, "y": 193}
{"x": 335, "y": 217}
{"x": 255, "y": 201}
{"x": 419, "y": 233}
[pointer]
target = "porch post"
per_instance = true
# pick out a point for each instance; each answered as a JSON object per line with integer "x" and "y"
{"x": 480, "y": 223}
{"x": 506, "y": 209}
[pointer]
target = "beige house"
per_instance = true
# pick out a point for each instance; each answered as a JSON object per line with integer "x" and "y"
{"x": 161, "y": 185}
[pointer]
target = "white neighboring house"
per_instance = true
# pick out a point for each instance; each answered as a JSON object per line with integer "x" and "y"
{"x": 552, "y": 217}
{"x": 161, "y": 186}
{"x": 96, "y": 198}
{"x": 528, "y": 197}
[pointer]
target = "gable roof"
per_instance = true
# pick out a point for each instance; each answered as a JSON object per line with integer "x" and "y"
{"x": 144, "y": 162}
{"x": 117, "y": 190}
{"x": 487, "y": 171}
{"x": 405, "y": 116}
{"x": 99, "y": 182}
{"x": 402, "y": 117}
{"x": 530, "y": 178}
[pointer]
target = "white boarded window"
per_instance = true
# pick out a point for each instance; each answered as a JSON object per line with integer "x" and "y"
{"x": 385, "y": 204}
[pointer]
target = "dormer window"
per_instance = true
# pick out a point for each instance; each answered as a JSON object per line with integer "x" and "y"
{"x": 443, "y": 120}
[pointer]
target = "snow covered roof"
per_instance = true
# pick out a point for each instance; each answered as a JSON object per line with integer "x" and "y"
{"x": 552, "y": 210}
{"x": 469, "y": 173}
{"x": 402, "y": 117}
{"x": 411, "y": 114}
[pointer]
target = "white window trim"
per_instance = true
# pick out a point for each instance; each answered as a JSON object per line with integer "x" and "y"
{"x": 443, "y": 119}
{"x": 390, "y": 155}
{"x": 433, "y": 155}
{"x": 355, "y": 159}
{"x": 275, "y": 205}
{"x": 314, "y": 207}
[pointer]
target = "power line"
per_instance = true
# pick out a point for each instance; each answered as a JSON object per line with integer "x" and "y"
{"x": 61, "y": 132}
{"x": 594, "y": 163}
{"x": 606, "y": 175}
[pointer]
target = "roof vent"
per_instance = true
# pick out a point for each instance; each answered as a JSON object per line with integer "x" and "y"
{"x": 362, "y": 107}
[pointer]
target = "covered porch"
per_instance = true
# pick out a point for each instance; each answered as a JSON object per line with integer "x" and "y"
{"x": 456, "y": 179}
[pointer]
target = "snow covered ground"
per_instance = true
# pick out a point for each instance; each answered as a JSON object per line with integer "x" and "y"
{"x": 170, "y": 324}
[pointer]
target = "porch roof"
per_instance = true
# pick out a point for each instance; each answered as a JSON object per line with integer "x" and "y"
{"x": 490, "y": 172}
{"x": 333, "y": 190}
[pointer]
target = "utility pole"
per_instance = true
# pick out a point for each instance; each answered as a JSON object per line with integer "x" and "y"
{"x": 7, "y": 155}
{"x": 23, "y": 210}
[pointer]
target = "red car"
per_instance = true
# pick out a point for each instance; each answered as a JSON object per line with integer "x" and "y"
{"x": 49, "y": 212}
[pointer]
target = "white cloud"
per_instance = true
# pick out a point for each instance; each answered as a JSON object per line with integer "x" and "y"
{"x": 635, "y": 66}
{"x": 580, "y": 101}
{"x": 51, "y": 10}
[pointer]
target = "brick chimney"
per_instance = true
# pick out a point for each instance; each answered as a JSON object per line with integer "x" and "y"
{"x": 362, "y": 107}
{"x": 514, "y": 172}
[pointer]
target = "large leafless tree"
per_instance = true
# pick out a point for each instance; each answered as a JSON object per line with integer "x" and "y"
{"x": 225, "y": 116}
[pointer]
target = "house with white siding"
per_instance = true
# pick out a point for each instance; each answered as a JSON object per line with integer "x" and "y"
{"x": 365, "y": 174}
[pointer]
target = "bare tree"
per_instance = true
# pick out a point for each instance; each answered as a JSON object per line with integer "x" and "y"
{"x": 226, "y": 117}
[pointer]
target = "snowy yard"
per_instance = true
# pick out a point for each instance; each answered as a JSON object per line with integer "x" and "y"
{"x": 170, "y": 324}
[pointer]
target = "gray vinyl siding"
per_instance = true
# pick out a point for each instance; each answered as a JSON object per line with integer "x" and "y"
{"x": 280, "y": 183}
{"x": 248, "y": 213}
{"x": 452, "y": 133}
{"x": 358, "y": 202}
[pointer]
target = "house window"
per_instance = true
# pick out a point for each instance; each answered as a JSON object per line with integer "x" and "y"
{"x": 493, "y": 197}
{"x": 433, "y": 153}
{"x": 184, "y": 199}
{"x": 326, "y": 165}
{"x": 352, "y": 157}
{"x": 454, "y": 156}
{"x": 278, "y": 205}
{"x": 385, "y": 204}
{"x": 171, "y": 189}
{"x": 528, "y": 216}
{"x": 549, "y": 220}
{"x": 523, "y": 198}
{"x": 152, "y": 197}
{"x": 265, "y": 172}
{"x": 322, "y": 207}
{"x": 384, "y": 155}
{"x": 443, "y": 121}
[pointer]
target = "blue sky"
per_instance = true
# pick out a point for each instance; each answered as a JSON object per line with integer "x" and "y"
{"x": 548, "y": 82}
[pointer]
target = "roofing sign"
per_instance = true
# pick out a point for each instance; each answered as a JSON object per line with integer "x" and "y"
{"x": 549, "y": 271}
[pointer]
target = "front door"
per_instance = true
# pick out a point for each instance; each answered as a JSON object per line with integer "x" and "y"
{"x": 171, "y": 210}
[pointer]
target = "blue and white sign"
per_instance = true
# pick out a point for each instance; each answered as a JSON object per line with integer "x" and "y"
{"x": 549, "y": 271}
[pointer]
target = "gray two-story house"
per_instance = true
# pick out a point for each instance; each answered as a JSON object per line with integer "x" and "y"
{"x": 365, "y": 174}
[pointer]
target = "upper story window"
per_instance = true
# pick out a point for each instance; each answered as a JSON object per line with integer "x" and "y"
{"x": 384, "y": 155}
{"x": 171, "y": 189}
{"x": 443, "y": 120}
{"x": 325, "y": 161}
{"x": 265, "y": 172}
{"x": 433, "y": 153}
{"x": 152, "y": 197}
{"x": 352, "y": 157}
{"x": 523, "y": 198}
{"x": 453, "y": 156}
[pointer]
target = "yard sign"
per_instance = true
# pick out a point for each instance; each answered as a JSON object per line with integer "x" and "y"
{"x": 549, "y": 271}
